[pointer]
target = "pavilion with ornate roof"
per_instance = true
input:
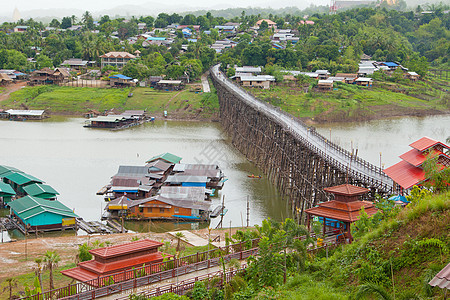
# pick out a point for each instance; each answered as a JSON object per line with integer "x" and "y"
{"x": 114, "y": 259}
{"x": 409, "y": 172}
{"x": 338, "y": 214}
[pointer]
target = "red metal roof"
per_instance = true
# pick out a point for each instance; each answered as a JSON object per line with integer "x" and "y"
{"x": 442, "y": 279}
{"x": 79, "y": 274}
{"x": 426, "y": 143}
{"x": 120, "y": 265}
{"x": 124, "y": 249}
{"x": 346, "y": 190}
{"x": 416, "y": 158}
{"x": 405, "y": 174}
{"x": 347, "y": 212}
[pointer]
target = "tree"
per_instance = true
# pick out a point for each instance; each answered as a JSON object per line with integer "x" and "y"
{"x": 87, "y": 20}
{"x": 179, "y": 236}
{"x": 8, "y": 285}
{"x": 51, "y": 260}
{"x": 43, "y": 61}
{"x": 264, "y": 25}
{"x": 38, "y": 269}
{"x": 55, "y": 23}
{"x": 66, "y": 22}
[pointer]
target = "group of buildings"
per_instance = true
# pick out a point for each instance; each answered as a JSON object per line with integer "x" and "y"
{"x": 164, "y": 188}
{"x": 33, "y": 204}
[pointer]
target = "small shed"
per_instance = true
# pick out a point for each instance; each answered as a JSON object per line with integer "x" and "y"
{"x": 39, "y": 214}
{"x": 120, "y": 80}
{"x": 364, "y": 81}
{"x": 5, "y": 79}
{"x": 325, "y": 85}
{"x": 170, "y": 85}
{"x": 413, "y": 76}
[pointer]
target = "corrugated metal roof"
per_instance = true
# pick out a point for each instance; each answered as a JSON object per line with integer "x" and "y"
{"x": 405, "y": 174}
{"x": 22, "y": 178}
{"x": 183, "y": 193}
{"x": 185, "y": 178}
{"x": 201, "y": 205}
{"x": 159, "y": 164}
{"x": 6, "y": 169}
{"x": 346, "y": 190}
{"x": 125, "y": 249}
{"x": 6, "y": 189}
{"x": 442, "y": 279}
{"x": 15, "y": 112}
{"x": 141, "y": 170}
{"x": 169, "y": 157}
{"x": 29, "y": 206}
{"x": 37, "y": 189}
{"x": 426, "y": 143}
{"x": 416, "y": 158}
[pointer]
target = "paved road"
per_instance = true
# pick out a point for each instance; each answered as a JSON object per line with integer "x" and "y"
{"x": 319, "y": 143}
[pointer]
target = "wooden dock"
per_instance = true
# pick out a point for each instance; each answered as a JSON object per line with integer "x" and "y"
{"x": 96, "y": 227}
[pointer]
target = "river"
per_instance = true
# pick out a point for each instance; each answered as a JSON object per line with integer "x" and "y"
{"x": 78, "y": 161}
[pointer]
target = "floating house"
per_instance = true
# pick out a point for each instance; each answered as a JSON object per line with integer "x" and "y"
{"x": 112, "y": 260}
{"x": 22, "y": 115}
{"x": 6, "y": 193}
{"x": 19, "y": 180}
{"x": 110, "y": 121}
{"x": 40, "y": 190}
{"x": 409, "y": 171}
{"x": 338, "y": 214}
{"x": 215, "y": 177}
{"x": 32, "y": 213}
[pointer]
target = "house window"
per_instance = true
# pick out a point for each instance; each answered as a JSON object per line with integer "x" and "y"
{"x": 161, "y": 210}
{"x": 177, "y": 210}
{"x": 141, "y": 209}
{"x": 149, "y": 210}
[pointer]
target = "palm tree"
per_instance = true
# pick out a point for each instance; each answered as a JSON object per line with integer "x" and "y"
{"x": 372, "y": 290}
{"x": 179, "y": 236}
{"x": 38, "y": 269}
{"x": 8, "y": 285}
{"x": 51, "y": 259}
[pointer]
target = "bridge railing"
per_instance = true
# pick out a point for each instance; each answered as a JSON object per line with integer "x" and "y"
{"x": 383, "y": 181}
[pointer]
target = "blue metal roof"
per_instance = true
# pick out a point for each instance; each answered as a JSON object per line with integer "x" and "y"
{"x": 390, "y": 64}
{"x": 120, "y": 76}
{"x": 152, "y": 38}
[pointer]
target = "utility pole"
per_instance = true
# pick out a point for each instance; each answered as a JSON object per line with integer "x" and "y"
{"x": 248, "y": 212}
{"x": 222, "y": 210}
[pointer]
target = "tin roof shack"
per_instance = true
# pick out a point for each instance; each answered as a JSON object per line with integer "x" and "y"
{"x": 323, "y": 74}
{"x": 120, "y": 80}
{"x": 413, "y": 76}
{"x": 337, "y": 215}
{"x": 40, "y": 190}
{"x": 187, "y": 180}
{"x": 5, "y": 79}
{"x": 110, "y": 121}
{"x": 248, "y": 70}
{"x": 49, "y": 76}
{"x": 325, "y": 85}
{"x": 34, "y": 213}
{"x": 111, "y": 261}
{"x": 214, "y": 175}
{"x": 6, "y": 193}
{"x": 409, "y": 171}
{"x": 173, "y": 206}
{"x": 18, "y": 180}
{"x": 23, "y": 115}
{"x": 170, "y": 85}
{"x": 349, "y": 78}
{"x": 75, "y": 63}
{"x": 364, "y": 81}
{"x": 262, "y": 81}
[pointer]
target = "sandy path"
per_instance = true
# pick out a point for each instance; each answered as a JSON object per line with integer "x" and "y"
{"x": 11, "y": 89}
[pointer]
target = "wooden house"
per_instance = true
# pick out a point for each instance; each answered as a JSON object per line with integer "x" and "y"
{"x": 75, "y": 63}
{"x": 32, "y": 213}
{"x": 413, "y": 76}
{"x": 5, "y": 79}
{"x": 349, "y": 78}
{"x": 338, "y": 214}
{"x": 325, "y": 85}
{"x": 215, "y": 176}
{"x": 261, "y": 81}
{"x": 364, "y": 81}
{"x": 409, "y": 171}
{"x": 120, "y": 80}
{"x": 323, "y": 74}
{"x": 115, "y": 259}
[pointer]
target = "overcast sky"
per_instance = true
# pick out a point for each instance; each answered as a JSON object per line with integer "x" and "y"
{"x": 7, "y": 7}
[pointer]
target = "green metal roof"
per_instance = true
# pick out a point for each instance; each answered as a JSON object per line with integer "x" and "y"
{"x": 29, "y": 206}
{"x": 37, "y": 189}
{"x": 22, "y": 178}
{"x": 169, "y": 157}
{"x": 6, "y": 169}
{"x": 6, "y": 189}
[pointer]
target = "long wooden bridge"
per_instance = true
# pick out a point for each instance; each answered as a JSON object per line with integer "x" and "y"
{"x": 300, "y": 161}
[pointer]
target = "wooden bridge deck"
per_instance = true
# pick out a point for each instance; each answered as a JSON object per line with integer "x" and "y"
{"x": 335, "y": 155}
